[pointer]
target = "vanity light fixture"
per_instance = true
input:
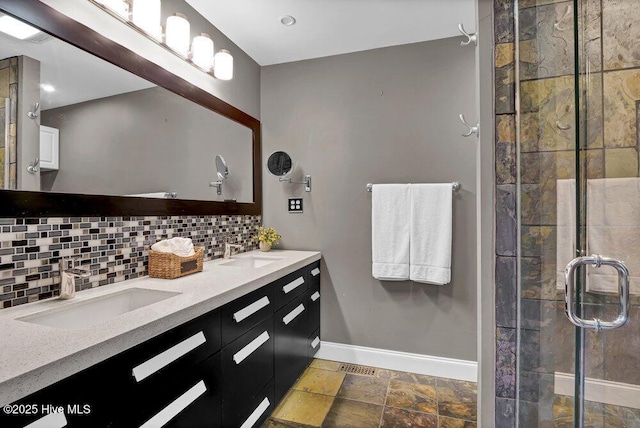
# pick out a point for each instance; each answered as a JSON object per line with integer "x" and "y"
{"x": 223, "y": 65}
{"x": 145, "y": 15}
{"x": 15, "y": 28}
{"x": 177, "y": 35}
{"x": 47, "y": 88}
{"x": 202, "y": 52}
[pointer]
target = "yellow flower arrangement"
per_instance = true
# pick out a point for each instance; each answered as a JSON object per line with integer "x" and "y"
{"x": 267, "y": 235}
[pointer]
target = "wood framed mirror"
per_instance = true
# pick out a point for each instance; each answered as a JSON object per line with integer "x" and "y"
{"x": 20, "y": 203}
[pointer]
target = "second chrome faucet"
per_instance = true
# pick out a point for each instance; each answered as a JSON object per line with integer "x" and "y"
{"x": 69, "y": 271}
{"x": 228, "y": 246}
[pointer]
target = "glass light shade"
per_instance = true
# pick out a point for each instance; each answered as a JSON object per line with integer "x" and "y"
{"x": 177, "y": 34}
{"x": 118, "y": 6}
{"x": 146, "y": 15}
{"x": 202, "y": 51}
{"x": 223, "y": 65}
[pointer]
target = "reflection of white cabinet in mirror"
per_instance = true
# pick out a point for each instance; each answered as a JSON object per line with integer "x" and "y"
{"x": 49, "y": 143}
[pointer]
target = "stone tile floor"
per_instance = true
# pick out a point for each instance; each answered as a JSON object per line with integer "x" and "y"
{"x": 325, "y": 397}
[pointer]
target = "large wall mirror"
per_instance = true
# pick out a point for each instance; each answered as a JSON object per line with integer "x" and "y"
{"x": 132, "y": 139}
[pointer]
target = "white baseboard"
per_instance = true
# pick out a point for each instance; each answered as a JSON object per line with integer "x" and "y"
{"x": 600, "y": 391}
{"x": 401, "y": 361}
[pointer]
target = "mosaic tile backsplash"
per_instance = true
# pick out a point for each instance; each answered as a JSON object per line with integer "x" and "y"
{"x": 114, "y": 249}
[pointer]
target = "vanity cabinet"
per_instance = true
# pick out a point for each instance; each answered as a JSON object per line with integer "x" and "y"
{"x": 247, "y": 367}
{"x": 229, "y": 367}
{"x": 313, "y": 301}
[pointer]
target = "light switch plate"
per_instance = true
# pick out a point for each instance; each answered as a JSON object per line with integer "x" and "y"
{"x": 295, "y": 205}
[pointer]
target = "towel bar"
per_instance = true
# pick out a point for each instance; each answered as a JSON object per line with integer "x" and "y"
{"x": 455, "y": 186}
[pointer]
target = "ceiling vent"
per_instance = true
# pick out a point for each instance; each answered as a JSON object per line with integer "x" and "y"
{"x": 39, "y": 38}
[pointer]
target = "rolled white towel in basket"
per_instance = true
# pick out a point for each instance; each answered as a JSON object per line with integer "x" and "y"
{"x": 182, "y": 247}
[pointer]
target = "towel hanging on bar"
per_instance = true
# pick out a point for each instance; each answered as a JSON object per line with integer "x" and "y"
{"x": 455, "y": 186}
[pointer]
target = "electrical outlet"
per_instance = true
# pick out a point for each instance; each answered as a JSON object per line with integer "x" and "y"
{"x": 295, "y": 205}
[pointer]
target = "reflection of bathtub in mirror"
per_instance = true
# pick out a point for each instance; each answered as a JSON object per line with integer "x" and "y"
{"x": 156, "y": 195}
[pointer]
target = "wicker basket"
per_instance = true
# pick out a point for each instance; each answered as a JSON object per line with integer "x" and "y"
{"x": 171, "y": 266}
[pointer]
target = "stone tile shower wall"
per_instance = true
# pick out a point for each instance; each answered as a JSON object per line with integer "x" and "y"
{"x": 506, "y": 230}
{"x": 114, "y": 249}
{"x": 8, "y": 120}
{"x": 547, "y": 139}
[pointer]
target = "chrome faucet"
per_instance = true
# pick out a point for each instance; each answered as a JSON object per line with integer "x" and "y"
{"x": 228, "y": 246}
{"x": 68, "y": 274}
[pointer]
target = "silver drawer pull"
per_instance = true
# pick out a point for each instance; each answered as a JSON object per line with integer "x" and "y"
{"x": 315, "y": 342}
{"x": 251, "y": 309}
{"x": 177, "y": 406}
{"x": 52, "y": 420}
{"x": 315, "y": 296}
{"x": 293, "y": 314}
{"x": 315, "y": 272}
{"x": 623, "y": 289}
{"x": 293, "y": 285}
{"x": 255, "y": 415}
{"x": 167, "y": 357}
{"x": 240, "y": 356}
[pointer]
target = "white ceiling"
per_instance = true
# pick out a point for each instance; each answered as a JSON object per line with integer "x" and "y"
{"x": 331, "y": 27}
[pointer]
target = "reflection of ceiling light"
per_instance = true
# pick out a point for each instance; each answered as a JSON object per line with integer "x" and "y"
{"x": 288, "y": 20}
{"x": 17, "y": 29}
{"x": 47, "y": 88}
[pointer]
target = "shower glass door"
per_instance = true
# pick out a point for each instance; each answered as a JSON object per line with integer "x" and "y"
{"x": 578, "y": 76}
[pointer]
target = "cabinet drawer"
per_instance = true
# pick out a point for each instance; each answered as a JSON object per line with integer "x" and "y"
{"x": 253, "y": 411}
{"x": 313, "y": 302}
{"x": 82, "y": 397}
{"x": 190, "y": 399}
{"x": 290, "y": 345}
{"x": 313, "y": 344}
{"x": 247, "y": 364}
{"x": 289, "y": 287}
{"x": 314, "y": 274}
{"x": 146, "y": 367}
{"x": 239, "y": 316}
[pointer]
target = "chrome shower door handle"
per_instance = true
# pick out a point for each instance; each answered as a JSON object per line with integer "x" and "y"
{"x": 623, "y": 290}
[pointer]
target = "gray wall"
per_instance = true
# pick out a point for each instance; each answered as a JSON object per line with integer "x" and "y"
{"x": 386, "y": 115}
{"x": 148, "y": 141}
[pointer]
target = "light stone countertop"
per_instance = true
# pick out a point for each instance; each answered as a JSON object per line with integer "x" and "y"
{"x": 33, "y": 356}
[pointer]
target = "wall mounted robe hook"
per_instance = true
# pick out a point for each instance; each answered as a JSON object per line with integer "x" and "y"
{"x": 33, "y": 166}
{"x": 34, "y": 113}
{"x": 473, "y": 37}
{"x": 472, "y": 129}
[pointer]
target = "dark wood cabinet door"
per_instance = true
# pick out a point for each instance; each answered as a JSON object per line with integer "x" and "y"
{"x": 239, "y": 316}
{"x": 291, "y": 324}
{"x": 289, "y": 287}
{"x": 190, "y": 400}
{"x": 247, "y": 366}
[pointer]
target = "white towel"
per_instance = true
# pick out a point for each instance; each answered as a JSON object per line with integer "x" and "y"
{"x": 431, "y": 233}
{"x": 182, "y": 247}
{"x": 566, "y": 231}
{"x": 390, "y": 232}
{"x": 613, "y": 230}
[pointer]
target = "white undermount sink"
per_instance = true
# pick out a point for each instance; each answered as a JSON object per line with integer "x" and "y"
{"x": 250, "y": 262}
{"x": 98, "y": 309}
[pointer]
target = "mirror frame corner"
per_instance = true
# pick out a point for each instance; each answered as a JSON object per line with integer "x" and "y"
{"x": 17, "y": 203}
